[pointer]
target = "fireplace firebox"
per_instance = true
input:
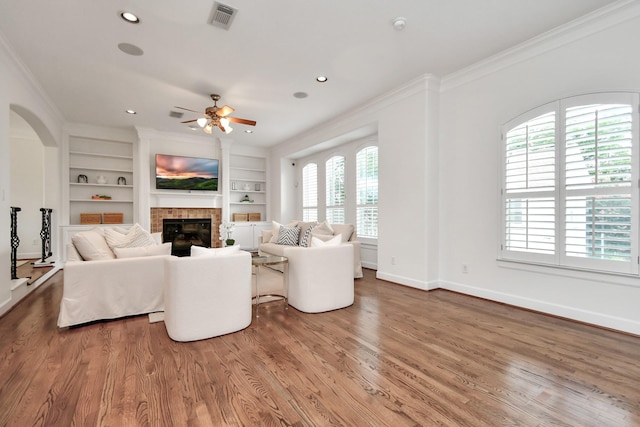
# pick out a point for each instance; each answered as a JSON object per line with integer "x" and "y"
{"x": 184, "y": 233}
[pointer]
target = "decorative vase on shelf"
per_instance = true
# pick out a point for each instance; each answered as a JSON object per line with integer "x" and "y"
{"x": 101, "y": 180}
{"x": 229, "y": 242}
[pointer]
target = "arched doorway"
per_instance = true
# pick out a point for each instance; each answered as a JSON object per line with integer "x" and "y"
{"x": 34, "y": 176}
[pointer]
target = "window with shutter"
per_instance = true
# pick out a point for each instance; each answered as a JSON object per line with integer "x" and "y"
{"x": 367, "y": 192}
{"x": 310, "y": 192}
{"x": 569, "y": 171}
{"x": 335, "y": 190}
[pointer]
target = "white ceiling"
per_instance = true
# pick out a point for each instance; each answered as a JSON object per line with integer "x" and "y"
{"x": 272, "y": 50}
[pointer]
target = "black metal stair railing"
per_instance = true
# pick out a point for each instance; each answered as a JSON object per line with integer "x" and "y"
{"x": 45, "y": 234}
{"x": 15, "y": 241}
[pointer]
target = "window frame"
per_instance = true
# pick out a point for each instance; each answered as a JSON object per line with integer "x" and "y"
{"x": 561, "y": 193}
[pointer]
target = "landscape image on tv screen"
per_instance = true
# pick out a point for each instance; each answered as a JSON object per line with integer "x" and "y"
{"x": 186, "y": 173}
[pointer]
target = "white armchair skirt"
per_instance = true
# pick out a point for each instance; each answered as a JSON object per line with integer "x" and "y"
{"x": 207, "y": 296}
{"x": 320, "y": 278}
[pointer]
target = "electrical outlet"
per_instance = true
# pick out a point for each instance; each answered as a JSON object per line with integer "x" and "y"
{"x": 465, "y": 268}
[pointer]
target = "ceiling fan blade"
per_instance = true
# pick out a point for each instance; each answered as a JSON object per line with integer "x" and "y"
{"x": 190, "y": 121}
{"x": 242, "y": 121}
{"x": 224, "y": 111}
{"x": 193, "y": 111}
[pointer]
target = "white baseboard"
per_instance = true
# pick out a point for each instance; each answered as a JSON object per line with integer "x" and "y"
{"x": 419, "y": 284}
{"x": 594, "y": 318}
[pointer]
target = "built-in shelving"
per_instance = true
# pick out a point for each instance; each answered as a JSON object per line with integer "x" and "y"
{"x": 100, "y": 167}
{"x": 247, "y": 177}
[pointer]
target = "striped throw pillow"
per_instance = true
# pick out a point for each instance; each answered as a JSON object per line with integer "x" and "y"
{"x": 288, "y": 235}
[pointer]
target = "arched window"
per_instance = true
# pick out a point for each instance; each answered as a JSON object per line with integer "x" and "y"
{"x": 335, "y": 190}
{"x": 367, "y": 192}
{"x": 310, "y": 192}
{"x": 568, "y": 194}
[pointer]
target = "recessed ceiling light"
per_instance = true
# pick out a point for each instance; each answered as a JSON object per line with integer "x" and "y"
{"x": 130, "y": 17}
{"x": 248, "y": 131}
{"x": 321, "y": 79}
{"x": 300, "y": 95}
{"x": 130, "y": 112}
{"x": 130, "y": 49}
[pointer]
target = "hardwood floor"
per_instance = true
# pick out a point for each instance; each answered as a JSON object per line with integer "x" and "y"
{"x": 397, "y": 357}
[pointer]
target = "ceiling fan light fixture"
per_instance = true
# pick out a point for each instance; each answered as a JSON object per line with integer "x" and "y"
{"x": 202, "y": 121}
{"x": 208, "y": 128}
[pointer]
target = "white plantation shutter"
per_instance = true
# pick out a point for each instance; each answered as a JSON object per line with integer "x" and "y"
{"x": 570, "y": 194}
{"x": 335, "y": 190}
{"x": 367, "y": 192}
{"x": 530, "y": 151}
{"x": 310, "y": 192}
{"x": 598, "y": 184}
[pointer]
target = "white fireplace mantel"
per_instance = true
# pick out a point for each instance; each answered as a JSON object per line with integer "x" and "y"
{"x": 163, "y": 199}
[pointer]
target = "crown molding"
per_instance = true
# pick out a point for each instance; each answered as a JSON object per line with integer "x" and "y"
{"x": 589, "y": 24}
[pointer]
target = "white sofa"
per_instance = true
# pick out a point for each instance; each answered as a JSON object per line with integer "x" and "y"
{"x": 98, "y": 285}
{"x": 207, "y": 296}
{"x": 268, "y": 246}
{"x": 315, "y": 288}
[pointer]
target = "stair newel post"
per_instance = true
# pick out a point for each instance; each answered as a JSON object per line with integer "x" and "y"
{"x": 45, "y": 234}
{"x": 15, "y": 241}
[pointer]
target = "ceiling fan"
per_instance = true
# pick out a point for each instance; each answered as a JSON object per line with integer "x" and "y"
{"x": 217, "y": 116}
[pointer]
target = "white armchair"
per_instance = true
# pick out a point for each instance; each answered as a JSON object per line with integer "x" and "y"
{"x": 320, "y": 278}
{"x": 207, "y": 296}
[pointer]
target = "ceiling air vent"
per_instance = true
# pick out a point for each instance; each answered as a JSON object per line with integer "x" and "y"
{"x": 176, "y": 114}
{"x": 222, "y": 15}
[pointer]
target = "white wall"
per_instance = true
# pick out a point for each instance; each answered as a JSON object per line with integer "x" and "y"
{"x": 408, "y": 177}
{"x": 594, "y": 57}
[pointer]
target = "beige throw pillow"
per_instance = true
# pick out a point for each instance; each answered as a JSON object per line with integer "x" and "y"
{"x": 345, "y": 229}
{"x": 323, "y": 228}
{"x": 91, "y": 245}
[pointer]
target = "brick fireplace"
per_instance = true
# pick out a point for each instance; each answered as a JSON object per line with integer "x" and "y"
{"x": 158, "y": 214}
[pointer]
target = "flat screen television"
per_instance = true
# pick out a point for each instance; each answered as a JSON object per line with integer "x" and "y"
{"x": 186, "y": 173}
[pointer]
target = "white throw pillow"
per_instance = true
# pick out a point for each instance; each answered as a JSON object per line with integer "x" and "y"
{"x": 91, "y": 245}
{"x": 198, "y": 251}
{"x": 136, "y": 237}
{"x": 141, "y": 251}
{"x": 318, "y": 242}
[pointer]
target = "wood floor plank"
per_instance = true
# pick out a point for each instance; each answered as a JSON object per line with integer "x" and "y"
{"x": 397, "y": 357}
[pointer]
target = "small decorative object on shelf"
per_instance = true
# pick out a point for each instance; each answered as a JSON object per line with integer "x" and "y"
{"x": 246, "y": 187}
{"x": 234, "y": 185}
{"x": 82, "y": 179}
{"x": 100, "y": 197}
{"x": 257, "y": 186}
{"x": 122, "y": 180}
{"x": 226, "y": 228}
{"x": 101, "y": 180}
{"x": 246, "y": 199}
